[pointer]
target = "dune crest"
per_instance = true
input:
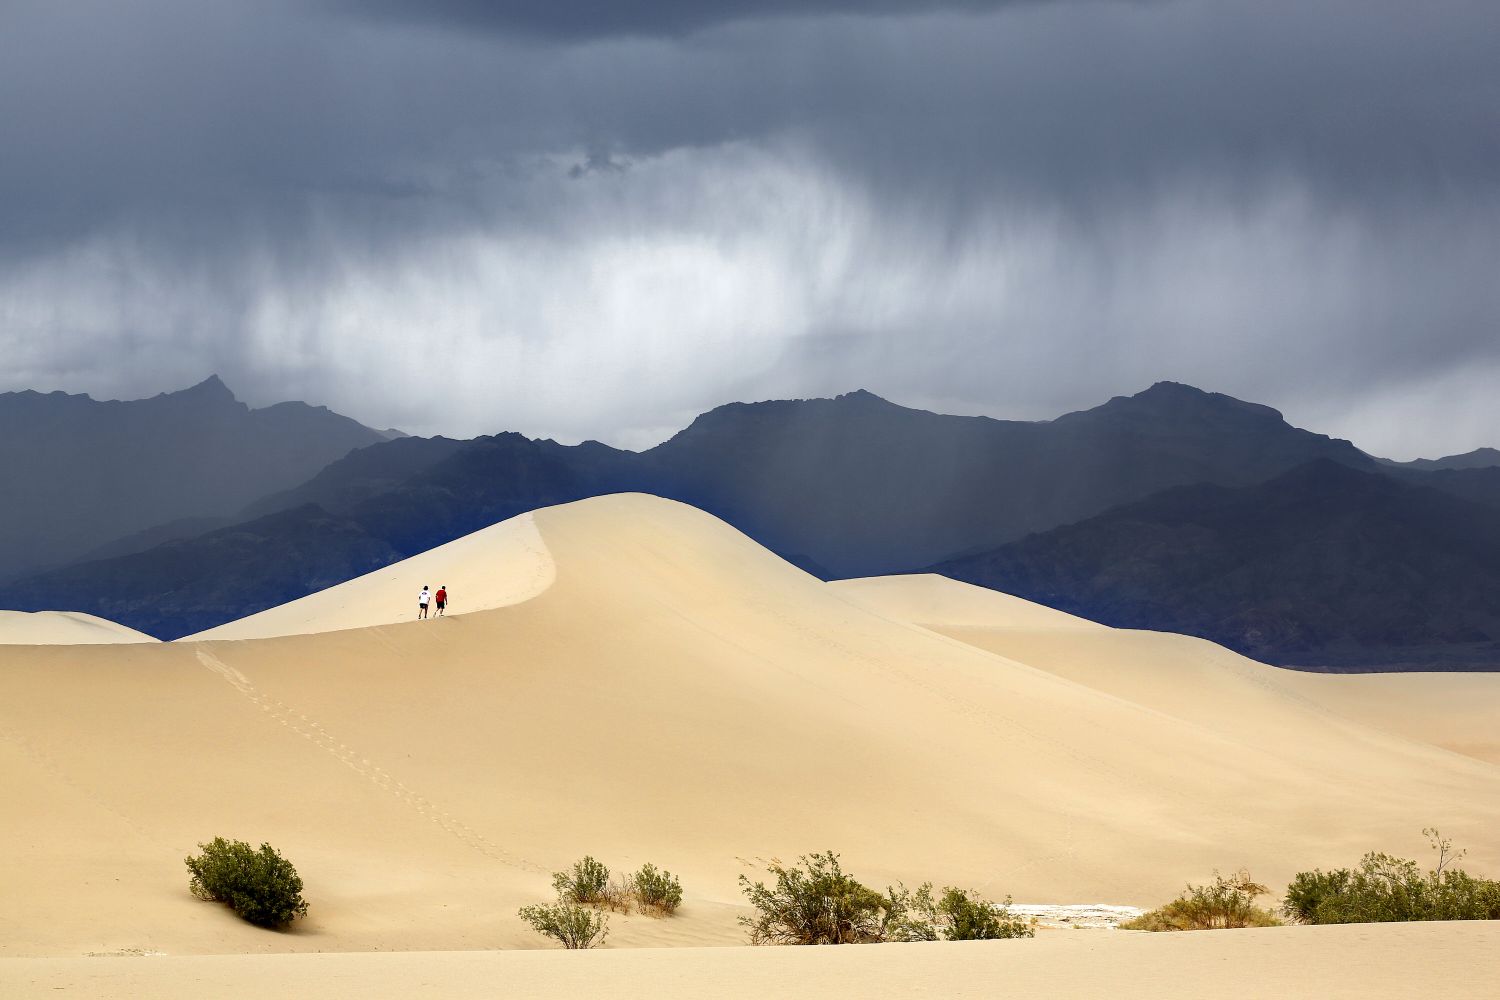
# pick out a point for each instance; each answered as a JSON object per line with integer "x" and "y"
{"x": 495, "y": 567}
{"x": 63, "y": 628}
{"x": 931, "y": 599}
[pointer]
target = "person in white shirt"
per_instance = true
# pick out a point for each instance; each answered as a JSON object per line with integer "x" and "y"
{"x": 422, "y": 600}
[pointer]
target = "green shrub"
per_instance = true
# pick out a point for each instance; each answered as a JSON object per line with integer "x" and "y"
{"x": 572, "y": 925}
{"x": 814, "y": 903}
{"x": 960, "y": 915}
{"x": 586, "y": 883}
{"x": 1385, "y": 888}
{"x": 910, "y": 915}
{"x": 655, "y": 891}
{"x": 261, "y": 886}
{"x": 1227, "y": 903}
{"x": 964, "y": 916}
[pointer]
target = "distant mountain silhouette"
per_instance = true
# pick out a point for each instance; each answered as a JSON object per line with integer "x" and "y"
{"x": 82, "y": 473}
{"x": 848, "y": 486}
{"x": 1479, "y": 458}
{"x": 863, "y": 486}
{"x": 161, "y": 534}
{"x": 1480, "y": 484}
{"x": 1324, "y": 566}
{"x": 361, "y": 474}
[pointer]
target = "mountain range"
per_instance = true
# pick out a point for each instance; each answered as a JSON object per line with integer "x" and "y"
{"x": 81, "y": 473}
{"x": 856, "y": 486}
{"x": 1479, "y": 458}
{"x": 1325, "y": 565}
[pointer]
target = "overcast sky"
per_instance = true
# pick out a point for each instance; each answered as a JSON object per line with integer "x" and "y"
{"x": 583, "y": 219}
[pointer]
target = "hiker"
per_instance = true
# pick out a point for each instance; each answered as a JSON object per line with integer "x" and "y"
{"x": 422, "y": 599}
{"x": 442, "y": 598}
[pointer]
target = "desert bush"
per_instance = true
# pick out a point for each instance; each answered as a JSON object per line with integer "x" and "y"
{"x": 587, "y": 882}
{"x": 1228, "y": 902}
{"x": 655, "y": 891}
{"x": 259, "y": 885}
{"x": 965, "y": 916}
{"x": 910, "y": 914}
{"x": 959, "y": 915}
{"x": 571, "y": 924}
{"x": 813, "y": 903}
{"x": 1384, "y": 888}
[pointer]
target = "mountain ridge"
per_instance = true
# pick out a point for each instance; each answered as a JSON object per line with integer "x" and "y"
{"x": 83, "y": 473}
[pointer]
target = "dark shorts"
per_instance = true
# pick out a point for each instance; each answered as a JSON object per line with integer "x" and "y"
{"x": 441, "y": 605}
{"x": 421, "y": 607}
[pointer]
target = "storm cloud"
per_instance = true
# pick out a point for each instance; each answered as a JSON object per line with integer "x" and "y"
{"x": 594, "y": 220}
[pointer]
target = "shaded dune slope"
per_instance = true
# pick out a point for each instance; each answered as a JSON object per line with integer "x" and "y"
{"x": 677, "y": 695}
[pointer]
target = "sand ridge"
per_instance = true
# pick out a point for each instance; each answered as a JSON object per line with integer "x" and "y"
{"x": 930, "y": 599}
{"x": 63, "y": 628}
{"x": 504, "y": 564}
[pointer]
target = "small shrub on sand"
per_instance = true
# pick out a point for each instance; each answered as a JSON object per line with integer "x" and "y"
{"x": 1228, "y": 902}
{"x": 587, "y": 882}
{"x": 261, "y": 886}
{"x": 813, "y": 903}
{"x": 570, "y": 924}
{"x": 1384, "y": 888}
{"x": 958, "y": 915}
{"x": 964, "y": 916}
{"x": 655, "y": 891}
{"x": 910, "y": 914}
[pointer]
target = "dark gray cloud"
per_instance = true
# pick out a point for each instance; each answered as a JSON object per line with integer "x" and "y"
{"x": 592, "y": 220}
{"x": 593, "y": 19}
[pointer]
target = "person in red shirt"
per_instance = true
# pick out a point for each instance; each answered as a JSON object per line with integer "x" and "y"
{"x": 442, "y": 599}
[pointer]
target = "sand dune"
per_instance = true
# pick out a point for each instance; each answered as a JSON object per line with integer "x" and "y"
{"x": 1460, "y": 712}
{"x": 932, "y": 600}
{"x": 679, "y": 695}
{"x": 1194, "y": 679}
{"x": 498, "y": 566}
{"x": 63, "y": 628}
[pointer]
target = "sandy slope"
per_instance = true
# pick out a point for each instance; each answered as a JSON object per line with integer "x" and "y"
{"x": 63, "y": 628}
{"x": 1458, "y": 711}
{"x": 495, "y": 567}
{"x": 1191, "y": 678}
{"x": 1453, "y": 961}
{"x": 681, "y": 696}
{"x": 930, "y": 599}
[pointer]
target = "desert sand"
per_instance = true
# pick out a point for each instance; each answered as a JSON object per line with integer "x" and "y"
{"x": 62, "y": 628}
{"x": 1455, "y": 961}
{"x": 936, "y": 601}
{"x": 1192, "y": 678}
{"x": 1457, "y": 711}
{"x": 668, "y": 691}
